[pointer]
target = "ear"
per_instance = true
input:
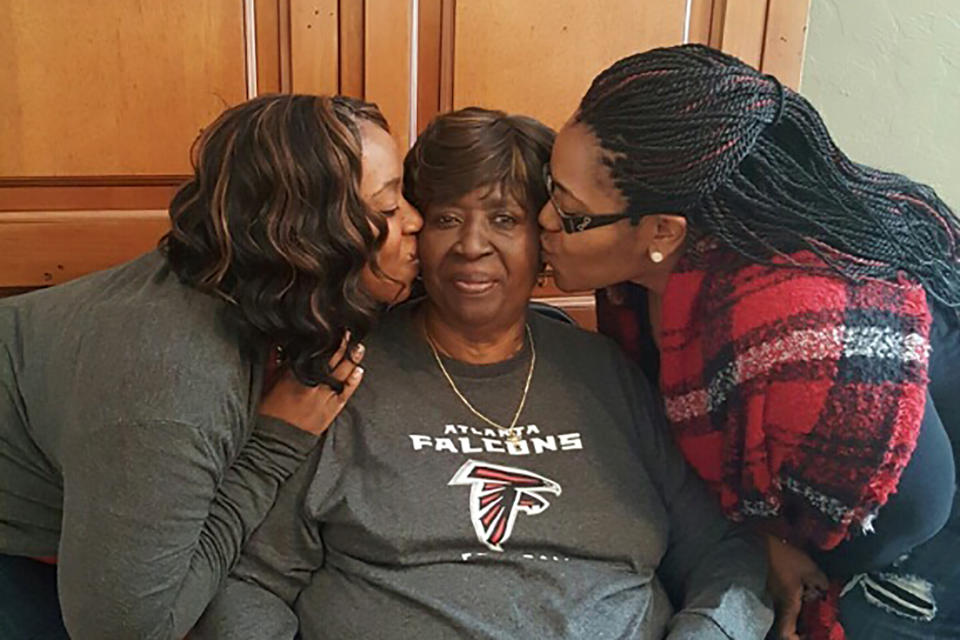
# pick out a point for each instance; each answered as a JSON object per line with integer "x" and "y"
{"x": 670, "y": 232}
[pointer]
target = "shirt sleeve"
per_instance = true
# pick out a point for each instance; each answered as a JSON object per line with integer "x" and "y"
{"x": 276, "y": 565}
{"x": 153, "y": 521}
{"x": 245, "y": 611}
{"x": 714, "y": 571}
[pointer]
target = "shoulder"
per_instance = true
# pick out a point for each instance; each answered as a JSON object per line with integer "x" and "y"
{"x": 792, "y": 293}
{"x": 587, "y": 355}
{"x": 158, "y": 348}
{"x": 559, "y": 333}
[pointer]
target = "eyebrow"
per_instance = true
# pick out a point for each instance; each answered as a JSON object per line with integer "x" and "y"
{"x": 387, "y": 185}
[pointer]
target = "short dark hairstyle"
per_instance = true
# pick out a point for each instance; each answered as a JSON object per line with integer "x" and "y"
{"x": 691, "y": 130}
{"x": 273, "y": 222}
{"x": 474, "y": 147}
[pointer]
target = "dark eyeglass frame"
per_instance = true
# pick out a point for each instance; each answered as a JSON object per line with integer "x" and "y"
{"x": 575, "y": 223}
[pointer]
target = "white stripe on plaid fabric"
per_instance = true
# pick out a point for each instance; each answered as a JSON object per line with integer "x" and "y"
{"x": 806, "y": 345}
{"x": 884, "y": 343}
{"x": 758, "y": 509}
{"x": 830, "y": 507}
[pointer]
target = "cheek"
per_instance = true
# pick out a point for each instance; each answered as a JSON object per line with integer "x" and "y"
{"x": 370, "y": 282}
{"x": 524, "y": 256}
{"x": 431, "y": 248}
{"x": 604, "y": 245}
{"x": 390, "y": 249}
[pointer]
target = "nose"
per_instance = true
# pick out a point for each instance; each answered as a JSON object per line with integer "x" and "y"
{"x": 412, "y": 220}
{"x": 549, "y": 219}
{"x": 474, "y": 241}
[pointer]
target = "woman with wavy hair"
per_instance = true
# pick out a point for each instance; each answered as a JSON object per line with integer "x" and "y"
{"x": 149, "y": 413}
{"x": 799, "y": 311}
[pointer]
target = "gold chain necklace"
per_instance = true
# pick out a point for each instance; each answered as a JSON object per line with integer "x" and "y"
{"x": 512, "y": 434}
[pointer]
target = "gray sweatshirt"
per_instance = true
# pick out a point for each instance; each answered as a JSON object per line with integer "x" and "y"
{"x": 130, "y": 447}
{"x": 417, "y": 521}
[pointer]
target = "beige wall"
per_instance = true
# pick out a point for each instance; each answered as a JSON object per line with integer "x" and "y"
{"x": 885, "y": 75}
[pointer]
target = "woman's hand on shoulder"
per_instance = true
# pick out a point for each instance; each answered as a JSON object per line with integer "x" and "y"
{"x": 792, "y": 577}
{"x": 313, "y": 409}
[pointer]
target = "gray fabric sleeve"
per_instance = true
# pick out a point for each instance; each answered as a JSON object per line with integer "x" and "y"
{"x": 275, "y": 567}
{"x": 153, "y": 522}
{"x": 245, "y": 611}
{"x": 715, "y": 572}
{"x": 283, "y": 553}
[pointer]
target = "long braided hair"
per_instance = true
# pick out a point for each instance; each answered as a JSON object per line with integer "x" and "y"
{"x": 751, "y": 164}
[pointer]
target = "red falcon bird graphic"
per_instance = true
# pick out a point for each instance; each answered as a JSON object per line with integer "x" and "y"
{"x": 498, "y": 494}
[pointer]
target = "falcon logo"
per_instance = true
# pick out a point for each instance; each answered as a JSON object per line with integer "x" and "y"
{"x": 497, "y": 494}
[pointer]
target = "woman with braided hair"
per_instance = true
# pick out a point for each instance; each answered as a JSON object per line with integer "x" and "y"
{"x": 800, "y": 313}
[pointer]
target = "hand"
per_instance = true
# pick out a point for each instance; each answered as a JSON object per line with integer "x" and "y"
{"x": 792, "y": 577}
{"x": 312, "y": 409}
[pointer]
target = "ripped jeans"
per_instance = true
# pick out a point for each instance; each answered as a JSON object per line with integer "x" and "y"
{"x": 890, "y": 605}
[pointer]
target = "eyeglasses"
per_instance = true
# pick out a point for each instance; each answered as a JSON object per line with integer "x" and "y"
{"x": 574, "y": 223}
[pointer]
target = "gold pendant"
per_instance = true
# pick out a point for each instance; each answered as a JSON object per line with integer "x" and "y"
{"x": 514, "y": 436}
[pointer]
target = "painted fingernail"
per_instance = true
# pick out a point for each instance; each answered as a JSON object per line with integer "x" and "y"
{"x": 357, "y": 373}
{"x": 358, "y": 351}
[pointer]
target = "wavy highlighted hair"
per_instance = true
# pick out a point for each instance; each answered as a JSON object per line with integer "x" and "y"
{"x": 273, "y": 222}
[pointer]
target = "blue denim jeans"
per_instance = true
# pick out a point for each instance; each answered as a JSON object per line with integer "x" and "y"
{"x": 937, "y": 562}
{"x": 29, "y": 606}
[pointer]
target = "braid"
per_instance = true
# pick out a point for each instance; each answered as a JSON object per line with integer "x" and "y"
{"x": 752, "y": 165}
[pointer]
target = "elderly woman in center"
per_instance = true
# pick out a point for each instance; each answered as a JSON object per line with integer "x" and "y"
{"x": 500, "y": 474}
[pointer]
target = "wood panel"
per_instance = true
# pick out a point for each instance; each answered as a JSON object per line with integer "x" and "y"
{"x": 539, "y": 56}
{"x": 314, "y": 46}
{"x": 267, "y": 27}
{"x": 701, "y": 21}
{"x": 448, "y": 33}
{"x": 386, "y": 61}
{"x": 43, "y": 195}
{"x": 112, "y": 87}
{"x": 44, "y": 248}
{"x": 351, "y": 48}
{"x": 785, "y": 40}
{"x": 742, "y": 31}
{"x": 428, "y": 61}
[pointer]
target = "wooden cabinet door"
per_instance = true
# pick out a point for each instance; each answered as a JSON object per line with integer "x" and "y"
{"x": 538, "y": 57}
{"x": 103, "y": 99}
{"x": 112, "y": 87}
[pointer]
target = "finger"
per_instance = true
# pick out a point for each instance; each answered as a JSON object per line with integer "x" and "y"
{"x": 817, "y": 579}
{"x": 334, "y": 403}
{"x": 350, "y": 385}
{"x": 341, "y": 350}
{"x": 786, "y": 625}
{"x": 348, "y": 365}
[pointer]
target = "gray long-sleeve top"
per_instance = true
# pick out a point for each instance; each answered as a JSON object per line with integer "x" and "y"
{"x": 131, "y": 449}
{"x": 415, "y": 520}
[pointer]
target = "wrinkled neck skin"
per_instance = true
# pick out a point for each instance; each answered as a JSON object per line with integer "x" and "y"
{"x": 472, "y": 344}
